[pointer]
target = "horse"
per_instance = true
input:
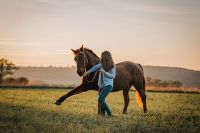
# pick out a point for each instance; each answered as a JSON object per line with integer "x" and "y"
{"x": 127, "y": 74}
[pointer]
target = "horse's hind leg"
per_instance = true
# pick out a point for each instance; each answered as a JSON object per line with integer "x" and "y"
{"x": 141, "y": 90}
{"x": 126, "y": 100}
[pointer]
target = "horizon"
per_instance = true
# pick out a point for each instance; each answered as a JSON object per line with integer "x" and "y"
{"x": 152, "y": 33}
{"x": 50, "y": 66}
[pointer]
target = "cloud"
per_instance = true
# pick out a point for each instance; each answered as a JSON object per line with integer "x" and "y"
{"x": 12, "y": 42}
{"x": 155, "y": 7}
{"x": 160, "y": 9}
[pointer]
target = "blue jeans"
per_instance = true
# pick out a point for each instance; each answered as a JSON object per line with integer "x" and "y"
{"x": 102, "y": 96}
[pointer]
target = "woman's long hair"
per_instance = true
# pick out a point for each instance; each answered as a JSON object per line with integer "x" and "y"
{"x": 107, "y": 61}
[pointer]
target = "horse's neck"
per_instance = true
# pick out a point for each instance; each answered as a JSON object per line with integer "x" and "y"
{"x": 92, "y": 60}
{"x": 93, "y": 63}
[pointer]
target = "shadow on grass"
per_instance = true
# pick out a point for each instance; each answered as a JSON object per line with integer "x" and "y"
{"x": 19, "y": 118}
{"x": 27, "y": 119}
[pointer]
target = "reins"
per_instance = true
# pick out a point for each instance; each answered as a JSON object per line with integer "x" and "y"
{"x": 85, "y": 59}
{"x": 92, "y": 80}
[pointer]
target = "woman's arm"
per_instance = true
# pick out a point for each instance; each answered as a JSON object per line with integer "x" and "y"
{"x": 112, "y": 73}
{"x": 94, "y": 68}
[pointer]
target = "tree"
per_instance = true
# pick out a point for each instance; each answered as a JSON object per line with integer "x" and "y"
{"x": 9, "y": 80}
{"x": 157, "y": 82}
{"x": 6, "y": 68}
{"x": 22, "y": 81}
{"x": 148, "y": 80}
{"x": 176, "y": 84}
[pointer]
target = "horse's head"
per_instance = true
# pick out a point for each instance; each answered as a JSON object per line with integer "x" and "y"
{"x": 81, "y": 60}
{"x": 84, "y": 59}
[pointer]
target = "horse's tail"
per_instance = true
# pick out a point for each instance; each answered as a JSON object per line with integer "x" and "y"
{"x": 138, "y": 97}
{"x": 141, "y": 66}
{"x": 144, "y": 83}
{"x": 139, "y": 100}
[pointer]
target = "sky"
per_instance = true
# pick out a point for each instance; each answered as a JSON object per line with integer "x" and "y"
{"x": 149, "y": 32}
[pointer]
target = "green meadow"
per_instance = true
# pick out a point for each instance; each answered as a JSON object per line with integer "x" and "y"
{"x": 33, "y": 110}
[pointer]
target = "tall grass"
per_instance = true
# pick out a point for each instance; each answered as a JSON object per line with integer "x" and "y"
{"x": 33, "y": 110}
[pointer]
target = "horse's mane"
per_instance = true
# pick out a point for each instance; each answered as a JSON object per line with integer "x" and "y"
{"x": 90, "y": 51}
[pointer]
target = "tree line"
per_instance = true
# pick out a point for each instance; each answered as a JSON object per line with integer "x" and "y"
{"x": 162, "y": 83}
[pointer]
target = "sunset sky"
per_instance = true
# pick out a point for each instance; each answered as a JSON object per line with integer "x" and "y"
{"x": 150, "y": 32}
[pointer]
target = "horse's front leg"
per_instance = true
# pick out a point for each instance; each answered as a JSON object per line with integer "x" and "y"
{"x": 77, "y": 90}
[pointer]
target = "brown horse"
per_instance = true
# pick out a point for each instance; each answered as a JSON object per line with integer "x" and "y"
{"x": 127, "y": 74}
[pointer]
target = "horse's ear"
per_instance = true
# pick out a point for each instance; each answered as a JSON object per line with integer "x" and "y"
{"x": 74, "y": 51}
{"x": 81, "y": 49}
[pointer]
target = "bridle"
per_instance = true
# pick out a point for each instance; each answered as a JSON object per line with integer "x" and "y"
{"x": 85, "y": 62}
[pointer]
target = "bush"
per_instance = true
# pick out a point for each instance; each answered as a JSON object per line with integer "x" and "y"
{"x": 22, "y": 81}
{"x": 16, "y": 81}
{"x": 9, "y": 80}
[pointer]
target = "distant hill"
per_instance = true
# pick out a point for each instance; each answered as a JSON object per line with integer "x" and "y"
{"x": 68, "y": 75}
{"x": 189, "y": 78}
{"x": 50, "y": 75}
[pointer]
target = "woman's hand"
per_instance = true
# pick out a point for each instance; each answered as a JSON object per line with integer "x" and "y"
{"x": 102, "y": 70}
{"x": 85, "y": 74}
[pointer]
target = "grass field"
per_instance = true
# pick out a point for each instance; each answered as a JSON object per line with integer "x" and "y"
{"x": 33, "y": 110}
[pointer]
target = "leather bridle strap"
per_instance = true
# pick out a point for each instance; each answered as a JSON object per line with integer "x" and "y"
{"x": 85, "y": 70}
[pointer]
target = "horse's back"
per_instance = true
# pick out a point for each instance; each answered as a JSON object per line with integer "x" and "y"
{"x": 127, "y": 73}
{"x": 129, "y": 66}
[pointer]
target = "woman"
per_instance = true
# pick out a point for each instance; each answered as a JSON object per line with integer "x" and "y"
{"x": 105, "y": 82}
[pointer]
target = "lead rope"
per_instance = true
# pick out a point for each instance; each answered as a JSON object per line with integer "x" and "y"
{"x": 99, "y": 91}
{"x": 92, "y": 80}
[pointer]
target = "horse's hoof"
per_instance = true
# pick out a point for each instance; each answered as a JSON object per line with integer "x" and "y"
{"x": 57, "y": 103}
